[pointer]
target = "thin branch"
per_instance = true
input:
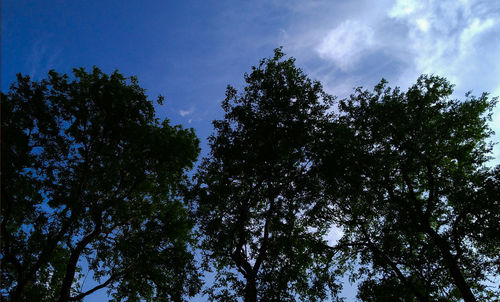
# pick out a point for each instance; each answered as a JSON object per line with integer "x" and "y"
{"x": 82, "y": 295}
{"x": 393, "y": 266}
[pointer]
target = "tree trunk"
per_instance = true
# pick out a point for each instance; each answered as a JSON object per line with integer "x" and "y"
{"x": 73, "y": 261}
{"x": 421, "y": 297}
{"x": 441, "y": 243}
{"x": 68, "y": 277}
{"x": 452, "y": 265}
{"x": 250, "y": 289}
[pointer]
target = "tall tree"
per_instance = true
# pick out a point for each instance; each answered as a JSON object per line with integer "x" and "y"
{"x": 256, "y": 191}
{"x": 407, "y": 178}
{"x": 90, "y": 183}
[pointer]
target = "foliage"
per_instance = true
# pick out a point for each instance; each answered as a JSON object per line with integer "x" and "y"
{"x": 256, "y": 191}
{"x": 90, "y": 183}
{"x": 93, "y": 184}
{"x": 408, "y": 182}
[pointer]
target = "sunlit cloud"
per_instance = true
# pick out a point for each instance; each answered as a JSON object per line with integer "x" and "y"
{"x": 443, "y": 36}
{"x": 403, "y": 8}
{"x": 356, "y": 43}
{"x": 423, "y": 24}
{"x": 333, "y": 236}
{"x": 347, "y": 43}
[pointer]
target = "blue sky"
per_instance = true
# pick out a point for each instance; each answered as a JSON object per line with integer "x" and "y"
{"x": 189, "y": 51}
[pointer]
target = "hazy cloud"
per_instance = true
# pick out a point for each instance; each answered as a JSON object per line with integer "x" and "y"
{"x": 443, "y": 37}
{"x": 347, "y": 43}
{"x": 184, "y": 113}
{"x": 42, "y": 58}
{"x": 356, "y": 43}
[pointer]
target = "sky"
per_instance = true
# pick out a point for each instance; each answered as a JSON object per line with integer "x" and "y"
{"x": 189, "y": 51}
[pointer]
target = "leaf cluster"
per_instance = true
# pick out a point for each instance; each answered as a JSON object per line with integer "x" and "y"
{"x": 407, "y": 178}
{"x": 89, "y": 176}
{"x": 256, "y": 189}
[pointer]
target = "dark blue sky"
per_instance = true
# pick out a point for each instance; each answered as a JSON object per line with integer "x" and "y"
{"x": 186, "y": 50}
{"x": 189, "y": 51}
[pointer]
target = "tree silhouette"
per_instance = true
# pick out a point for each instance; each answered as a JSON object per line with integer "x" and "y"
{"x": 90, "y": 176}
{"x": 407, "y": 180}
{"x": 256, "y": 191}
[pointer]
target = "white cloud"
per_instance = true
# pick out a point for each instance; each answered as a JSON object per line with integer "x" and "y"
{"x": 423, "y": 24}
{"x": 495, "y": 125}
{"x": 475, "y": 28}
{"x": 334, "y": 234}
{"x": 184, "y": 113}
{"x": 346, "y": 44}
{"x": 455, "y": 39}
{"x": 398, "y": 40}
{"x": 447, "y": 38}
{"x": 403, "y": 8}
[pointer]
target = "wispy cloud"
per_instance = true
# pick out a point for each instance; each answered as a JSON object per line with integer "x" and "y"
{"x": 444, "y": 37}
{"x": 42, "y": 59}
{"x": 455, "y": 39}
{"x": 184, "y": 113}
{"x": 397, "y": 40}
{"x": 356, "y": 43}
{"x": 347, "y": 43}
{"x": 403, "y": 8}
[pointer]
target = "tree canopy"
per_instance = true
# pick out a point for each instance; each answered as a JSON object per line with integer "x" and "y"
{"x": 408, "y": 182}
{"x": 90, "y": 183}
{"x": 256, "y": 190}
{"x": 94, "y": 184}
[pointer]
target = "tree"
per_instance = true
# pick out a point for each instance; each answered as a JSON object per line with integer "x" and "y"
{"x": 256, "y": 192}
{"x": 90, "y": 183}
{"x": 407, "y": 178}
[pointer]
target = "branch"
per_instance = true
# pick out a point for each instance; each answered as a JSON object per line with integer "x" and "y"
{"x": 102, "y": 285}
{"x": 432, "y": 190}
{"x": 52, "y": 242}
{"x": 393, "y": 266}
{"x": 455, "y": 235}
{"x": 417, "y": 216}
{"x": 73, "y": 261}
{"x": 265, "y": 237}
{"x": 242, "y": 264}
{"x": 82, "y": 295}
{"x": 343, "y": 245}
